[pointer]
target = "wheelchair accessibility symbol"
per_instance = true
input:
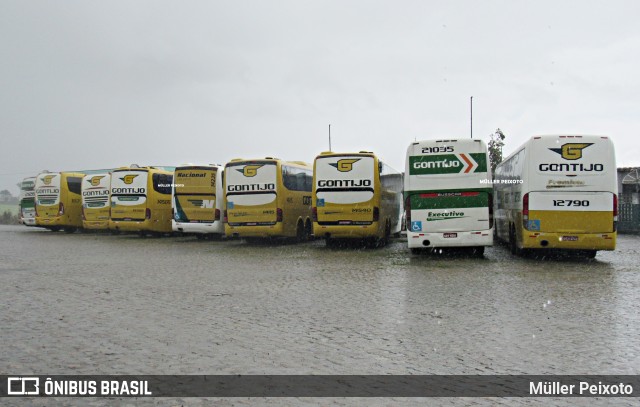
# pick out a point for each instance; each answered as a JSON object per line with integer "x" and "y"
{"x": 416, "y": 226}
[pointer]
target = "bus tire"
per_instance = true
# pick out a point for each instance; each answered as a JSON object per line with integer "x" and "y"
{"x": 54, "y": 228}
{"x": 416, "y": 250}
{"x": 478, "y": 251}
{"x": 308, "y": 229}
{"x": 387, "y": 233}
{"x": 70, "y": 229}
{"x": 590, "y": 254}
{"x": 300, "y": 232}
{"x": 201, "y": 236}
{"x": 513, "y": 243}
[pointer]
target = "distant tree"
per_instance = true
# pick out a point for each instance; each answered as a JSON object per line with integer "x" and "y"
{"x": 5, "y": 195}
{"x": 496, "y": 142}
{"x": 8, "y": 218}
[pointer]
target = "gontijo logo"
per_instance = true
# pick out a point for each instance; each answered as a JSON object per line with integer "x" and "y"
{"x": 95, "y": 181}
{"x": 128, "y": 179}
{"x": 250, "y": 170}
{"x": 571, "y": 151}
{"x": 47, "y": 179}
{"x": 345, "y": 165}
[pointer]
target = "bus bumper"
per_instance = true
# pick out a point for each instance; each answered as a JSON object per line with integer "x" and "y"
{"x": 255, "y": 231}
{"x": 140, "y": 225}
{"x": 569, "y": 241}
{"x": 28, "y": 221}
{"x": 47, "y": 222}
{"x": 199, "y": 228}
{"x": 455, "y": 239}
{"x": 95, "y": 224}
{"x": 346, "y": 231}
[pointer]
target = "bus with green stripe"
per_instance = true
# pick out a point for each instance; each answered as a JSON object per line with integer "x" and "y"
{"x": 448, "y": 195}
{"x": 27, "y": 201}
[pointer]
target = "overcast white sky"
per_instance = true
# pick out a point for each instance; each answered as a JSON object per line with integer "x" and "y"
{"x": 101, "y": 84}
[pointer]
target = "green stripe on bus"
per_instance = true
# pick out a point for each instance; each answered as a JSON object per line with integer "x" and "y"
{"x": 445, "y": 164}
{"x": 446, "y": 201}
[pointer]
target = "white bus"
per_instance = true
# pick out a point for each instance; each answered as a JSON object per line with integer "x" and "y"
{"x": 448, "y": 195}
{"x": 355, "y": 196}
{"x": 197, "y": 200}
{"x": 558, "y": 192}
{"x": 27, "y": 201}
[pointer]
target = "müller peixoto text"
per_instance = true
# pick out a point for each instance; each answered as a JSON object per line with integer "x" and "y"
{"x": 582, "y": 388}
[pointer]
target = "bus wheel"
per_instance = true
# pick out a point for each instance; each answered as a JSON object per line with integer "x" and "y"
{"x": 415, "y": 250}
{"x": 115, "y": 232}
{"x": 590, "y": 254}
{"x": 478, "y": 251}
{"x": 54, "y": 228}
{"x": 308, "y": 229}
{"x": 513, "y": 244}
{"x": 69, "y": 230}
{"x": 200, "y": 236}
{"x": 300, "y": 231}
{"x": 142, "y": 233}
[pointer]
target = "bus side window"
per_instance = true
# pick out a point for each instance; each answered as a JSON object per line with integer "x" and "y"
{"x": 74, "y": 184}
{"x": 162, "y": 183}
{"x": 297, "y": 179}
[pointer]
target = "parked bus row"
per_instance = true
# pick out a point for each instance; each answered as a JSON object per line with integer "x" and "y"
{"x": 553, "y": 192}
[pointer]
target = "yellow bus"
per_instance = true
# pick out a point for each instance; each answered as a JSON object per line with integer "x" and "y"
{"x": 268, "y": 198}
{"x": 558, "y": 192}
{"x": 141, "y": 200}
{"x": 58, "y": 200}
{"x": 355, "y": 196}
{"x": 198, "y": 200}
{"x": 95, "y": 201}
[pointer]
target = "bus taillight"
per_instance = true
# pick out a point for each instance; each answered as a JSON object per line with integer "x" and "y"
{"x": 376, "y": 214}
{"x": 226, "y": 217}
{"x": 279, "y": 215}
{"x": 147, "y": 213}
{"x": 217, "y": 215}
{"x": 407, "y": 209}
{"x": 615, "y": 212}
{"x": 525, "y": 210}
{"x": 61, "y": 209}
{"x": 83, "y": 216}
{"x": 314, "y": 214}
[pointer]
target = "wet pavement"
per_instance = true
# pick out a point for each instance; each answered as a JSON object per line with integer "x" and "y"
{"x": 103, "y": 304}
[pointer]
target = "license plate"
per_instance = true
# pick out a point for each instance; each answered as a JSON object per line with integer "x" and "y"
{"x": 449, "y": 235}
{"x": 569, "y": 238}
